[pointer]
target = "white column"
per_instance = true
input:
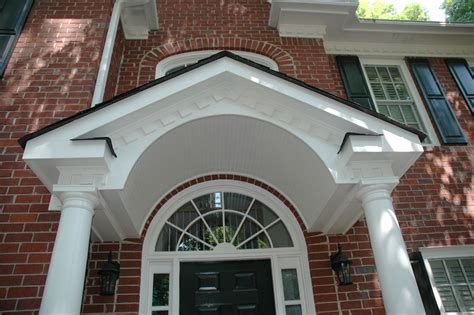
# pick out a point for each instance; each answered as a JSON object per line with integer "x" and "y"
{"x": 399, "y": 290}
{"x": 65, "y": 281}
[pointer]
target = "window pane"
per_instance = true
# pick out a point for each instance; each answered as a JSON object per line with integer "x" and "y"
{"x": 246, "y": 231}
{"x": 439, "y": 273}
{"x": 392, "y": 94}
{"x": 396, "y": 113}
{"x": 290, "y": 284}
{"x": 455, "y": 271}
{"x": 293, "y": 310}
{"x": 258, "y": 242}
{"x": 383, "y": 109}
{"x": 468, "y": 265}
{"x": 189, "y": 244}
{"x": 395, "y": 74}
{"x": 280, "y": 236}
{"x": 447, "y": 297}
{"x": 161, "y": 285}
{"x": 465, "y": 297}
{"x": 214, "y": 220}
{"x": 232, "y": 222}
{"x": 262, "y": 213}
{"x": 237, "y": 202}
{"x": 167, "y": 239}
{"x": 371, "y": 74}
{"x": 159, "y": 313}
{"x": 209, "y": 202}
{"x": 184, "y": 216}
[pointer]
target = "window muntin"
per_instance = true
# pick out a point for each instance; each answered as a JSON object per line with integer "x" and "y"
{"x": 450, "y": 271}
{"x": 454, "y": 283}
{"x": 392, "y": 96}
{"x": 211, "y": 220}
{"x": 401, "y": 81}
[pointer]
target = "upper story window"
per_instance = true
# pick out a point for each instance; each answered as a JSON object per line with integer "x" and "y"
{"x": 451, "y": 274}
{"x": 178, "y": 62}
{"x": 387, "y": 87}
{"x": 391, "y": 94}
{"x": 13, "y": 14}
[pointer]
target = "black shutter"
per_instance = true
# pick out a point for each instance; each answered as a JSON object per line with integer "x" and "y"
{"x": 13, "y": 14}
{"x": 354, "y": 81}
{"x": 424, "y": 285}
{"x": 464, "y": 78}
{"x": 441, "y": 111}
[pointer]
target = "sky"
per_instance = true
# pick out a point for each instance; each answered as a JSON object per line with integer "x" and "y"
{"x": 435, "y": 13}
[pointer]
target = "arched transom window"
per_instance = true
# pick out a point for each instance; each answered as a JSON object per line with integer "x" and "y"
{"x": 223, "y": 219}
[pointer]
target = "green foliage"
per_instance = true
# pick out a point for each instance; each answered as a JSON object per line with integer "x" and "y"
{"x": 376, "y": 9}
{"x": 379, "y": 9}
{"x": 414, "y": 12}
{"x": 459, "y": 10}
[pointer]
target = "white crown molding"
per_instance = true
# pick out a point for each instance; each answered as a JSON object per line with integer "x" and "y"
{"x": 343, "y": 33}
{"x": 399, "y": 50}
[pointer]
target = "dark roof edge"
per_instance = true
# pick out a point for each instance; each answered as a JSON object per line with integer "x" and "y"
{"x": 24, "y": 139}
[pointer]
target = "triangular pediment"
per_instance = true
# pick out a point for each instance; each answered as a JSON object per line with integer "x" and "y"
{"x": 121, "y": 146}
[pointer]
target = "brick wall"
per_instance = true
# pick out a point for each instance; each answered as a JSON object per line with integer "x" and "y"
{"x": 51, "y": 75}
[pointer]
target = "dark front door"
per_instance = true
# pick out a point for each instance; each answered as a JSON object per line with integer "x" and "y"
{"x": 226, "y": 288}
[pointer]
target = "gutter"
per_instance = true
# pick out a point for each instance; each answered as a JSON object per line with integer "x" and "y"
{"x": 107, "y": 52}
{"x": 138, "y": 17}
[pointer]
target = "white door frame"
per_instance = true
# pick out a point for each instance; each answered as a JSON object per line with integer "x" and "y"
{"x": 281, "y": 258}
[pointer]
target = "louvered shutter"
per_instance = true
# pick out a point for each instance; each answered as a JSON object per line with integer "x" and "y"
{"x": 354, "y": 81}
{"x": 441, "y": 111}
{"x": 424, "y": 285}
{"x": 13, "y": 14}
{"x": 464, "y": 78}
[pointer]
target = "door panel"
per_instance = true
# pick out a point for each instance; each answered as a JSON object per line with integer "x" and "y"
{"x": 226, "y": 288}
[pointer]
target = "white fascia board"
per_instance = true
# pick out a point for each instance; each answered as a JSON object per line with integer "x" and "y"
{"x": 343, "y": 33}
{"x": 136, "y": 107}
{"x": 447, "y": 251}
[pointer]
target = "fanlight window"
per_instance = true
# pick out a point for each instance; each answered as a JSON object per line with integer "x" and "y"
{"x": 223, "y": 219}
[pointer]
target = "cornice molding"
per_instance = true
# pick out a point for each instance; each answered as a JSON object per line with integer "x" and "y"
{"x": 385, "y": 49}
{"x": 342, "y": 31}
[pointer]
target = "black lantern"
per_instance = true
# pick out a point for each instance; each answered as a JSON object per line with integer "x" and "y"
{"x": 342, "y": 266}
{"x": 109, "y": 275}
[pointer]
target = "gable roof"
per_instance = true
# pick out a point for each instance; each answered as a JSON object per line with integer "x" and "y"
{"x": 224, "y": 54}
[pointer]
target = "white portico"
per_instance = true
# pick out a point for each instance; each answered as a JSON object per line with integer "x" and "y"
{"x": 107, "y": 167}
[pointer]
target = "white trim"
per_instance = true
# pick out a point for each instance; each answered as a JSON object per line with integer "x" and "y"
{"x": 443, "y": 252}
{"x": 194, "y": 56}
{"x": 425, "y": 119}
{"x": 344, "y": 33}
{"x": 161, "y": 262}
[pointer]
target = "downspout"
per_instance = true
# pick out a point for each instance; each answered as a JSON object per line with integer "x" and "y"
{"x": 107, "y": 52}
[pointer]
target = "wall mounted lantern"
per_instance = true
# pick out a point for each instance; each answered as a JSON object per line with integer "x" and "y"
{"x": 109, "y": 275}
{"x": 342, "y": 266}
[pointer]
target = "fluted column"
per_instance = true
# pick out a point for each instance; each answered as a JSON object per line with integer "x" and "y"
{"x": 65, "y": 281}
{"x": 399, "y": 289}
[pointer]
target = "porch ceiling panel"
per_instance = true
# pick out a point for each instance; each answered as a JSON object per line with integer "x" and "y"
{"x": 222, "y": 115}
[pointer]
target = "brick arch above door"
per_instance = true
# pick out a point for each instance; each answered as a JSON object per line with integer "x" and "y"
{"x": 150, "y": 59}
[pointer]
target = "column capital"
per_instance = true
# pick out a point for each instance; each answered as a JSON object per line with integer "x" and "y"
{"x": 376, "y": 189}
{"x": 77, "y": 196}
